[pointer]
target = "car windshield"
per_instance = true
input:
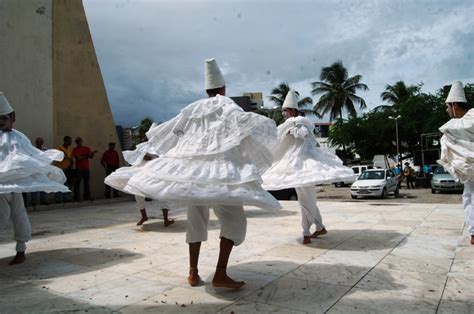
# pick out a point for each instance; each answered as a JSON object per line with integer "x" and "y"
{"x": 372, "y": 175}
{"x": 440, "y": 170}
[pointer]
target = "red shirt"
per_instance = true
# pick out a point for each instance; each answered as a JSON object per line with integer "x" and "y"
{"x": 82, "y": 151}
{"x": 110, "y": 158}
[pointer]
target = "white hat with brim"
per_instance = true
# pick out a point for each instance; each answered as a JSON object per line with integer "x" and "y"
{"x": 5, "y": 107}
{"x": 456, "y": 93}
{"x": 291, "y": 100}
{"x": 213, "y": 75}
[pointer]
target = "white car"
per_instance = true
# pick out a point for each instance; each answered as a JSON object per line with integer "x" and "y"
{"x": 357, "y": 171}
{"x": 375, "y": 182}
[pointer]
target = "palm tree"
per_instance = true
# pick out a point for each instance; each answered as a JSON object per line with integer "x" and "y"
{"x": 338, "y": 91}
{"x": 399, "y": 92}
{"x": 278, "y": 96}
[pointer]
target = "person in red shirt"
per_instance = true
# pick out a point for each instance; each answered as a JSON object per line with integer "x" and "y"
{"x": 110, "y": 162}
{"x": 82, "y": 154}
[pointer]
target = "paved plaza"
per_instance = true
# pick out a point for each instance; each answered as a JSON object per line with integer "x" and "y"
{"x": 377, "y": 257}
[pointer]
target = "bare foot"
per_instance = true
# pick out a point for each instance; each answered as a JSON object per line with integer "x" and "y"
{"x": 224, "y": 281}
{"x": 318, "y": 233}
{"x": 472, "y": 239}
{"x": 306, "y": 240}
{"x": 142, "y": 220}
{"x": 193, "y": 278}
{"x": 18, "y": 259}
{"x": 168, "y": 222}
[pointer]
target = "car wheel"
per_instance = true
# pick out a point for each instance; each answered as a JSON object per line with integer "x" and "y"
{"x": 397, "y": 192}
{"x": 354, "y": 197}
{"x": 338, "y": 184}
{"x": 384, "y": 193}
{"x": 433, "y": 191}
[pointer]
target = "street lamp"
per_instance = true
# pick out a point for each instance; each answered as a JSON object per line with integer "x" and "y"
{"x": 396, "y": 131}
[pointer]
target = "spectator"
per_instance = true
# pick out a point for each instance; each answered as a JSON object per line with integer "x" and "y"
{"x": 82, "y": 154}
{"x": 39, "y": 142}
{"x": 397, "y": 170}
{"x": 408, "y": 173}
{"x": 66, "y": 166}
{"x": 427, "y": 170}
{"x": 110, "y": 162}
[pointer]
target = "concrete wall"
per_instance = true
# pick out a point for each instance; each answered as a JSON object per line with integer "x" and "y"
{"x": 50, "y": 74}
{"x": 81, "y": 107}
{"x": 26, "y": 75}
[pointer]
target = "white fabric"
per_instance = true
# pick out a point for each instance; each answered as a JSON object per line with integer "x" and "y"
{"x": 212, "y": 75}
{"x": 120, "y": 177}
{"x": 140, "y": 203}
{"x": 457, "y": 147}
{"x": 291, "y": 100}
{"x": 12, "y": 209}
{"x": 310, "y": 213}
{"x": 212, "y": 153}
{"x": 24, "y": 168}
{"x": 456, "y": 93}
{"x": 468, "y": 202}
{"x": 232, "y": 219}
{"x": 5, "y": 107}
{"x": 298, "y": 162}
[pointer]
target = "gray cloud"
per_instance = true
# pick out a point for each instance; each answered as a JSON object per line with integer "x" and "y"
{"x": 152, "y": 52}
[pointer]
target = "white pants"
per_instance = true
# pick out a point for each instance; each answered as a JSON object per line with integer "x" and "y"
{"x": 309, "y": 209}
{"x": 468, "y": 202}
{"x": 232, "y": 219}
{"x": 13, "y": 209}
{"x": 140, "y": 203}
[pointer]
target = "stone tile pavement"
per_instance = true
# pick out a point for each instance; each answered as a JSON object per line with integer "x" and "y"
{"x": 377, "y": 257}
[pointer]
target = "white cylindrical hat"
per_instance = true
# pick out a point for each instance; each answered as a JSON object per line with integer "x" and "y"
{"x": 456, "y": 93}
{"x": 5, "y": 107}
{"x": 291, "y": 100}
{"x": 213, "y": 75}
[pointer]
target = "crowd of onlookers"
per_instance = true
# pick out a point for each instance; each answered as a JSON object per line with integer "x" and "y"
{"x": 76, "y": 168}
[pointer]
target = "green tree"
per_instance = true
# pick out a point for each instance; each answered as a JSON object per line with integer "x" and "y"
{"x": 338, "y": 91}
{"x": 399, "y": 92}
{"x": 139, "y": 135}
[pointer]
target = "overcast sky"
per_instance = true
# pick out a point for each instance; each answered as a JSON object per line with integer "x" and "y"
{"x": 152, "y": 52}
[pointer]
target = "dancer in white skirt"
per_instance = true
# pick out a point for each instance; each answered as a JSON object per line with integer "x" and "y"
{"x": 212, "y": 154}
{"x": 457, "y": 148}
{"x": 118, "y": 179}
{"x": 299, "y": 164}
{"x": 23, "y": 168}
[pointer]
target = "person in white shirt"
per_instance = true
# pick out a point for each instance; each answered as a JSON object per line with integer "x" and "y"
{"x": 299, "y": 164}
{"x": 24, "y": 168}
{"x": 457, "y": 147}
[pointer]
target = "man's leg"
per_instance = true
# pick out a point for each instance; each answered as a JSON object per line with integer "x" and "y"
{"x": 468, "y": 199}
{"x": 115, "y": 192}
{"x": 87, "y": 187}
{"x": 196, "y": 232}
{"x": 141, "y": 207}
{"x": 233, "y": 231}
{"x": 5, "y": 209}
{"x": 77, "y": 185}
{"x": 166, "y": 220}
{"x": 21, "y": 227}
{"x": 108, "y": 171}
{"x": 307, "y": 214}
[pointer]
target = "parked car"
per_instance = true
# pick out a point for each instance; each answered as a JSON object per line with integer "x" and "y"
{"x": 443, "y": 181}
{"x": 357, "y": 171}
{"x": 375, "y": 182}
